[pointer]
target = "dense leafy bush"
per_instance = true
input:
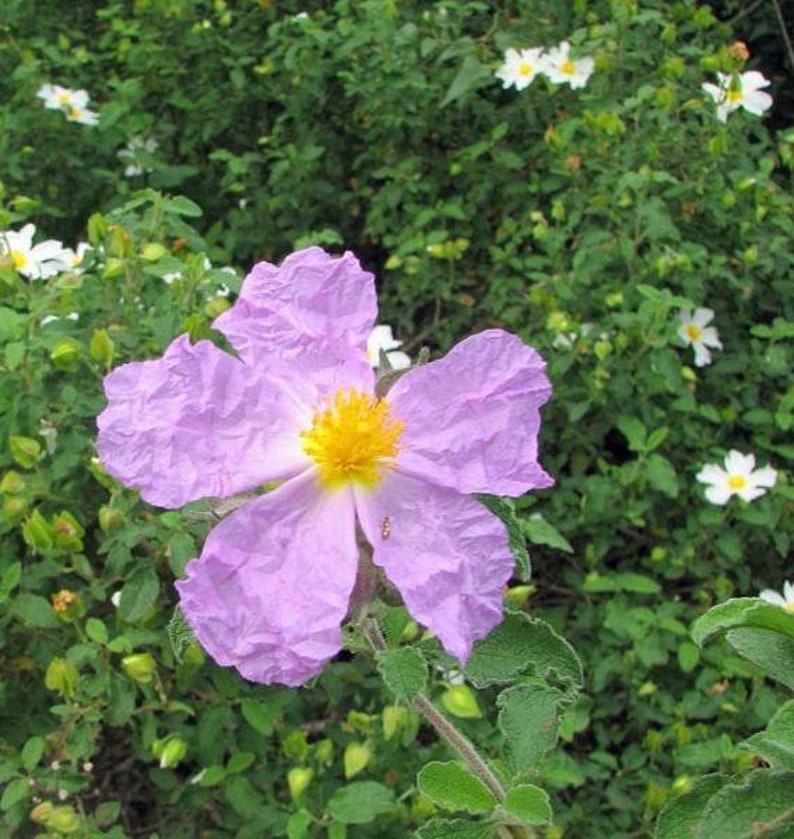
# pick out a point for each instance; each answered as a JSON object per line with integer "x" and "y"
{"x": 585, "y": 220}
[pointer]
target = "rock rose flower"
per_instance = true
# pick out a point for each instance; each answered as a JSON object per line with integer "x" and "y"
{"x": 561, "y": 68}
{"x": 297, "y": 407}
{"x": 695, "y": 332}
{"x": 785, "y": 600}
{"x": 35, "y": 262}
{"x": 73, "y": 103}
{"x": 521, "y": 67}
{"x": 739, "y": 477}
{"x": 739, "y": 91}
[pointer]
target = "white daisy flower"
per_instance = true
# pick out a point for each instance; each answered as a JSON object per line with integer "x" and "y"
{"x": 521, "y": 67}
{"x": 132, "y": 155}
{"x": 695, "y": 332}
{"x": 381, "y": 338}
{"x": 73, "y": 103}
{"x": 785, "y": 600}
{"x": 36, "y": 262}
{"x": 562, "y": 69}
{"x": 739, "y": 477}
{"x": 739, "y": 90}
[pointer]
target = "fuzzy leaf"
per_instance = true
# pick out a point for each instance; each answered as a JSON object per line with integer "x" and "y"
{"x": 452, "y": 787}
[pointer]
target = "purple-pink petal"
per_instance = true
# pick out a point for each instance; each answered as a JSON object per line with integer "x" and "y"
{"x": 446, "y": 553}
{"x": 472, "y": 418}
{"x": 310, "y": 295}
{"x": 271, "y": 588}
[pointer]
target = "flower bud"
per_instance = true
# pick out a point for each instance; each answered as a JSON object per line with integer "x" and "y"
{"x": 394, "y": 718}
{"x": 12, "y": 483}
{"x": 14, "y": 507}
{"x": 120, "y": 245}
{"x": 682, "y": 785}
{"x": 114, "y": 267}
{"x": 298, "y": 779}
{"x": 62, "y": 676}
{"x": 37, "y": 533}
{"x": 97, "y": 229}
{"x": 25, "y": 451}
{"x": 109, "y": 519}
{"x": 65, "y": 355}
{"x": 153, "y": 252}
{"x": 355, "y": 759}
{"x": 68, "y": 532}
{"x": 140, "y": 667}
{"x": 171, "y": 752}
{"x": 461, "y": 702}
{"x": 102, "y": 347}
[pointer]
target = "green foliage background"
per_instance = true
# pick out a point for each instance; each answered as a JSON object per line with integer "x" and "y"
{"x": 583, "y": 220}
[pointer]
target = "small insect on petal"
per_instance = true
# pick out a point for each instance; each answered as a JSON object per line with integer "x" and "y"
{"x": 385, "y": 528}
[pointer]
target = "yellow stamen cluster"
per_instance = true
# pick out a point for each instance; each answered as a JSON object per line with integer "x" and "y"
{"x": 693, "y": 331}
{"x": 525, "y": 69}
{"x": 19, "y": 259}
{"x": 568, "y": 67}
{"x": 737, "y": 482}
{"x": 353, "y": 440}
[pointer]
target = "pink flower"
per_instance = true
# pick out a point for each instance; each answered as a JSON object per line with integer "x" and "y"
{"x": 273, "y": 583}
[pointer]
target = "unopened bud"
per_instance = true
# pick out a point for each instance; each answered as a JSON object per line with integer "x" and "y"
{"x": 37, "y": 533}
{"x": 170, "y": 752}
{"x": 140, "y": 667}
{"x": 109, "y": 519}
{"x": 102, "y": 347}
{"x": 25, "y": 450}
{"x": 62, "y": 676}
{"x": 65, "y": 355}
{"x": 394, "y": 718}
{"x": 461, "y": 702}
{"x": 68, "y": 532}
{"x": 298, "y": 779}
{"x": 355, "y": 759}
{"x": 12, "y": 483}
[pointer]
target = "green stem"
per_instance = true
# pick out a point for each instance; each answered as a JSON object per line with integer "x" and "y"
{"x": 461, "y": 744}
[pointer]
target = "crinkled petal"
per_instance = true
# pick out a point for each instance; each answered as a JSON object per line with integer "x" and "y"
{"x": 712, "y": 474}
{"x": 710, "y": 338}
{"x": 271, "y": 588}
{"x": 311, "y": 296}
{"x": 446, "y": 553}
{"x": 718, "y": 494}
{"x": 702, "y": 355}
{"x": 765, "y": 477}
{"x": 198, "y": 422}
{"x": 472, "y": 418}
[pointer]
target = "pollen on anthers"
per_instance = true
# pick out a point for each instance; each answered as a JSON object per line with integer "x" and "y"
{"x": 353, "y": 439}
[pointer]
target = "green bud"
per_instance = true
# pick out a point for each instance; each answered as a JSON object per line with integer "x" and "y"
{"x": 97, "y": 229}
{"x": 153, "y": 252}
{"x": 14, "y": 507}
{"x": 215, "y": 307}
{"x": 65, "y": 355}
{"x": 25, "y": 450}
{"x": 394, "y": 718}
{"x": 298, "y": 779}
{"x": 114, "y": 267}
{"x": 295, "y": 744}
{"x": 140, "y": 667}
{"x": 648, "y": 688}
{"x": 355, "y": 759}
{"x": 63, "y": 820}
{"x": 62, "y": 676}
{"x": 120, "y": 245}
{"x": 37, "y": 533}
{"x": 664, "y": 97}
{"x": 517, "y": 596}
{"x": 68, "y": 532}
{"x": 193, "y": 655}
{"x": 102, "y": 347}
{"x": 751, "y": 255}
{"x": 324, "y": 752}
{"x": 172, "y": 752}
{"x": 682, "y": 785}
{"x": 393, "y": 262}
{"x": 109, "y": 519}
{"x": 461, "y": 702}
{"x": 196, "y": 327}
{"x": 12, "y": 483}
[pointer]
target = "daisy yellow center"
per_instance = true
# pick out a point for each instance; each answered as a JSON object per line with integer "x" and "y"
{"x": 353, "y": 440}
{"x": 734, "y": 96}
{"x": 693, "y": 331}
{"x": 525, "y": 69}
{"x": 568, "y": 67}
{"x": 737, "y": 482}
{"x": 63, "y": 98}
{"x": 19, "y": 259}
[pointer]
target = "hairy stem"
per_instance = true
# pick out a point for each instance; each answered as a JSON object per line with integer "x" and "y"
{"x": 461, "y": 744}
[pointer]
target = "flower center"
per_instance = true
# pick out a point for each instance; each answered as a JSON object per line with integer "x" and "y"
{"x": 734, "y": 96}
{"x": 353, "y": 440}
{"x": 525, "y": 69}
{"x": 63, "y": 98}
{"x": 737, "y": 482}
{"x": 693, "y": 331}
{"x": 19, "y": 259}
{"x": 568, "y": 67}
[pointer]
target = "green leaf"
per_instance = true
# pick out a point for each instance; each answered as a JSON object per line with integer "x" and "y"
{"x": 680, "y": 815}
{"x": 452, "y": 787}
{"x": 772, "y": 652}
{"x": 139, "y": 594}
{"x": 529, "y": 804}
{"x": 96, "y": 631}
{"x": 31, "y": 753}
{"x": 776, "y": 743}
{"x": 540, "y": 532}
{"x": 688, "y": 656}
{"x": 13, "y": 354}
{"x": 404, "y": 671}
{"x": 182, "y": 206}
{"x": 521, "y": 644}
{"x": 16, "y": 791}
{"x": 661, "y": 475}
{"x": 239, "y": 762}
{"x": 360, "y": 802}
{"x": 627, "y": 581}
{"x": 471, "y": 75}
{"x": 12, "y": 324}
{"x": 179, "y": 634}
{"x": 746, "y": 810}
{"x": 35, "y": 610}
{"x": 742, "y": 612}
{"x": 506, "y": 511}
{"x": 258, "y": 715}
{"x": 634, "y": 432}
{"x": 529, "y": 720}
{"x": 298, "y": 824}
{"x": 454, "y": 829}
